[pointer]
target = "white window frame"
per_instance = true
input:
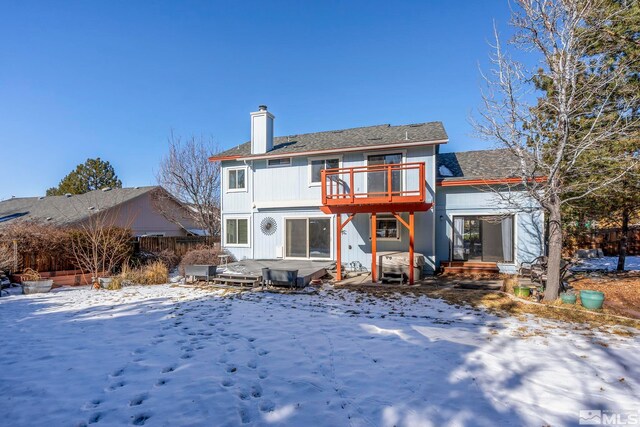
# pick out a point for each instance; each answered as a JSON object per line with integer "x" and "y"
{"x": 463, "y": 212}
{"x": 308, "y": 217}
{"x": 237, "y": 245}
{"x": 387, "y": 216}
{"x": 279, "y": 166}
{"x": 246, "y": 179}
{"x": 378, "y": 153}
{"x": 310, "y": 168}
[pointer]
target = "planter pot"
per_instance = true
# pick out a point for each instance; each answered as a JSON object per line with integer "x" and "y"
{"x": 568, "y": 298}
{"x": 592, "y": 300}
{"x": 521, "y": 291}
{"x": 104, "y": 282}
{"x": 37, "y": 286}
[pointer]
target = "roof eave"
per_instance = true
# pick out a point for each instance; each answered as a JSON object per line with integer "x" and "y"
{"x": 386, "y": 146}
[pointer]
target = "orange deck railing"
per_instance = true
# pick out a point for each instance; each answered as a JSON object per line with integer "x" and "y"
{"x": 394, "y": 183}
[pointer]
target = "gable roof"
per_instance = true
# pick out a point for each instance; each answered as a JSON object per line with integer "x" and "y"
{"x": 480, "y": 164}
{"x": 65, "y": 210}
{"x": 335, "y": 140}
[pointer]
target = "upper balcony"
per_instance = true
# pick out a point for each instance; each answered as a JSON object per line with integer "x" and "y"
{"x": 375, "y": 188}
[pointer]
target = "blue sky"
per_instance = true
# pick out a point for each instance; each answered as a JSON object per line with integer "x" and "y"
{"x": 82, "y": 79}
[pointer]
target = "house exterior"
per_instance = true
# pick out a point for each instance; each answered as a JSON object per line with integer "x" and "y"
{"x": 146, "y": 210}
{"x": 354, "y": 194}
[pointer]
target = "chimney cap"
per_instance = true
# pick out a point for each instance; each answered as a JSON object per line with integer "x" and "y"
{"x": 262, "y": 107}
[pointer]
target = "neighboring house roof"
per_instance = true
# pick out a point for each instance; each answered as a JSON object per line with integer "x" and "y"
{"x": 477, "y": 165}
{"x": 65, "y": 210}
{"x": 335, "y": 140}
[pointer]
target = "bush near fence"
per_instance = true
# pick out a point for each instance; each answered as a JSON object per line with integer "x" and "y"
{"x": 178, "y": 245}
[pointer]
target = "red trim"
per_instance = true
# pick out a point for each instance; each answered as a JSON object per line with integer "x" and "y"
{"x": 221, "y": 158}
{"x": 377, "y": 208}
{"x": 496, "y": 181}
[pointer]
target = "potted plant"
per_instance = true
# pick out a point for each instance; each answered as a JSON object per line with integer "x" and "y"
{"x": 522, "y": 291}
{"x": 33, "y": 283}
{"x": 568, "y": 298}
{"x": 591, "y": 300}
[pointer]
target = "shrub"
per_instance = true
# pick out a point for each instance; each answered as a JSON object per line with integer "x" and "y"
{"x": 205, "y": 255}
{"x": 36, "y": 244}
{"x": 6, "y": 258}
{"x": 169, "y": 258}
{"x": 155, "y": 273}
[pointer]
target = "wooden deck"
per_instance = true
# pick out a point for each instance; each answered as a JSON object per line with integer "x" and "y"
{"x": 307, "y": 269}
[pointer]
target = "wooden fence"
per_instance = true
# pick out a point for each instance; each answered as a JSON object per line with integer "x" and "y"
{"x": 39, "y": 262}
{"x": 608, "y": 240}
{"x": 178, "y": 245}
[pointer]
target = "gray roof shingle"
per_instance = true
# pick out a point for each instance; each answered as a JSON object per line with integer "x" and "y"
{"x": 355, "y": 137}
{"x": 481, "y": 164}
{"x": 63, "y": 210}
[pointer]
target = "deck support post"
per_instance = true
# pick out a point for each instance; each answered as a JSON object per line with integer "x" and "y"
{"x": 374, "y": 256}
{"x": 411, "y": 244}
{"x": 339, "y": 246}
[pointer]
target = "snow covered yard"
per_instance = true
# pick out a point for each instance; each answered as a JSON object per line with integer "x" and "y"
{"x": 610, "y": 263}
{"x": 168, "y": 356}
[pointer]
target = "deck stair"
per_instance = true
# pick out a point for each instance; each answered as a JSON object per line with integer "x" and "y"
{"x": 457, "y": 267}
{"x": 249, "y": 280}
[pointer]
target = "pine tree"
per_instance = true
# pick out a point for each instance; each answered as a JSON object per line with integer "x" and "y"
{"x": 617, "y": 41}
{"x": 93, "y": 174}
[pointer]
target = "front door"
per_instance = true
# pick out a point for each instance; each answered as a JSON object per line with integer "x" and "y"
{"x": 308, "y": 238}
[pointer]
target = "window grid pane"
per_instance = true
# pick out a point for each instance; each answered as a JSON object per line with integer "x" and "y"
{"x": 232, "y": 232}
{"x": 243, "y": 231}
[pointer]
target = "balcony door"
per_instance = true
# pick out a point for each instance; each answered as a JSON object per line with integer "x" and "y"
{"x": 378, "y": 182}
{"x": 308, "y": 238}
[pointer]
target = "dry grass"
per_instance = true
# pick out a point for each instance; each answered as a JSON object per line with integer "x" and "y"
{"x": 621, "y": 290}
{"x": 155, "y": 273}
{"x": 503, "y": 305}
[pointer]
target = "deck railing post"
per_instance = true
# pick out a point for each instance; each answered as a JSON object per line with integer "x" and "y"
{"x": 323, "y": 180}
{"x": 389, "y": 182}
{"x": 351, "y": 181}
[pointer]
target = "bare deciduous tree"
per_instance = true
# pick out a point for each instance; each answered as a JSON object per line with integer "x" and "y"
{"x": 552, "y": 116}
{"x": 188, "y": 175}
{"x": 99, "y": 246}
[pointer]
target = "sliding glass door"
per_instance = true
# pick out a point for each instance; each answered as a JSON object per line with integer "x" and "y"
{"x": 378, "y": 182}
{"x": 308, "y": 238}
{"x": 483, "y": 238}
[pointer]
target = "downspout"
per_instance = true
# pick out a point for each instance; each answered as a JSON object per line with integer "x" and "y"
{"x": 249, "y": 164}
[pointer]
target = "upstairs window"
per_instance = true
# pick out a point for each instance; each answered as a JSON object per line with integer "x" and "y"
{"x": 236, "y": 180}
{"x": 275, "y": 163}
{"x": 317, "y": 165}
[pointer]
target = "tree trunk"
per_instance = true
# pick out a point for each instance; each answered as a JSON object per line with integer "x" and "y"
{"x": 622, "y": 244}
{"x": 555, "y": 253}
